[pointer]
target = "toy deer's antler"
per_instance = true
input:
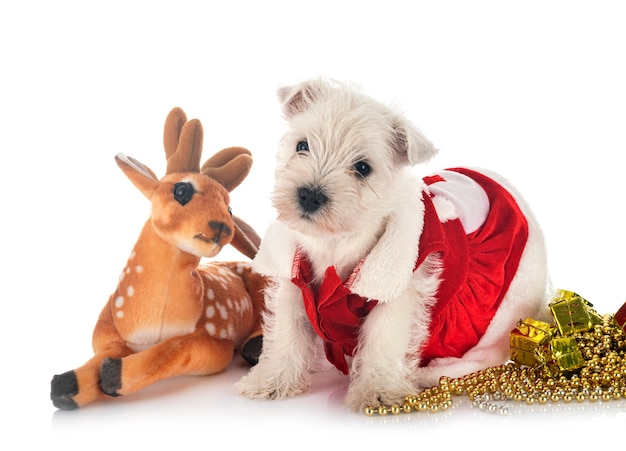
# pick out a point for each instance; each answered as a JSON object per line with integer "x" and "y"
{"x": 182, "y": 141}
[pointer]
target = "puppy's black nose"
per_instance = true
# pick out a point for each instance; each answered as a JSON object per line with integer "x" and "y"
{"x": 311, "y": 199}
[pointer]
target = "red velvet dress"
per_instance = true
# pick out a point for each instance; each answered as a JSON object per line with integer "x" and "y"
{"x": 477, "y": 270}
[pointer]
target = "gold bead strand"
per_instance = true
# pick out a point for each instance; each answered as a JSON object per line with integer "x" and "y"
{"x": 602, "y": 378}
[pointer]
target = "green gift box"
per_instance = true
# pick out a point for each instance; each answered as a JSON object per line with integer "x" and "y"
{"x": 566, "y": 354}
{"x": 572, "y": 313}
{"x": 560, "y": 355}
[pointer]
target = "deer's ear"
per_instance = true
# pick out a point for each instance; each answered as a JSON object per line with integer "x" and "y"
{"x": 141, "y": 175}
{"x": 246, "y": 240}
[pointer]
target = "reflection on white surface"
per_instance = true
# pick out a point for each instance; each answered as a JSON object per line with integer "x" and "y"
{"x": 178, "y": 409}
{"x": 183, "y": 410}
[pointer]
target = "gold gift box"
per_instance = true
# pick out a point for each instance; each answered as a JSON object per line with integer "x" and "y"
{"x": 526, "y": 339}
{"x": 572, "y": 313}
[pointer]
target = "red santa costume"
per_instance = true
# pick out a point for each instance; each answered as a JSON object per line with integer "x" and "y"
{"x": 480, "y": 244}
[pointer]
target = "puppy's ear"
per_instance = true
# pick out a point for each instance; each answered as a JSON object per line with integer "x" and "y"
{"x": 410, "y": 144}
{"x": 298, "y": 98}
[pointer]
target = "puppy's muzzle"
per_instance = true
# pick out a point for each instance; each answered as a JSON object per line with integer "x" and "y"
{"x": 311, "y": 199}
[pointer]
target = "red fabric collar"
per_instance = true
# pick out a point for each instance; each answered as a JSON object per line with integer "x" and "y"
{"x": 334, "y": 311}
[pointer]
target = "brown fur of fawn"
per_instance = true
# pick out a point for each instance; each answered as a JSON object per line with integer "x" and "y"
{"x": 172, "y": 315}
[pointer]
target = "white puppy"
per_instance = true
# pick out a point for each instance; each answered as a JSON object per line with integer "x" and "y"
{"x": 400, "y": 279}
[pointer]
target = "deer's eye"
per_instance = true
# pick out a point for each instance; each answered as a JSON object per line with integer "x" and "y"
{"x": 183, "y": 192}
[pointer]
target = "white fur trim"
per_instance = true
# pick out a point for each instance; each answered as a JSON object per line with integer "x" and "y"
{"x": 446, "y": 210}
{"x": 387, "y": 270}
{"x": 467, "y": 196}
{"x": 278, "y": 247}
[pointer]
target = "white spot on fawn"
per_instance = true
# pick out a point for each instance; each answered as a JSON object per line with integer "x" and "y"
{"x": 210, "y": 294}
{"x": 223, "y": 310}
{"x": 119, "y": 301}
{"x": 210, "y": 311}
{"x": 210, "y": 327}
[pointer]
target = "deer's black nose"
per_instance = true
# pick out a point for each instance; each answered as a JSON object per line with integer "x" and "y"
{"x": 219, "y": 229}
{"x": 311, "y": 199}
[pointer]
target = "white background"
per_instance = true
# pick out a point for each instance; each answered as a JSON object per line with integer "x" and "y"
{"x": 532, "y": 89}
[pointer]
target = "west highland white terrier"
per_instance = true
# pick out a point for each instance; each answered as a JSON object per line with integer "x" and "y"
{"x": 399, "y": 279}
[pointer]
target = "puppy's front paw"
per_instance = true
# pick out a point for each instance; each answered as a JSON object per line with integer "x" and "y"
{"x": 361, "y": 395}
{"x": 358, "y": 401}
{"x": 262, "y": 384}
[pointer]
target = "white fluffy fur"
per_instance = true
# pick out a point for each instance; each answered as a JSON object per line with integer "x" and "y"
{"x": 379, "y": 216}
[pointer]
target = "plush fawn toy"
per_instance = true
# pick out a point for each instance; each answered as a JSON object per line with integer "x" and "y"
{"x": 171, "y": 315}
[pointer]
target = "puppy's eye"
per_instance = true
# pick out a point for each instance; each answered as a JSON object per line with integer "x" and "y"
{"x": 302, "y": 146}
{"x": 363, "y": 168}
{"x": 183, "y": 192}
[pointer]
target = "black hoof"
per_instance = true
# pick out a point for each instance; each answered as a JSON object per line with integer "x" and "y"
{"x": 63, "y": 388}
{"x": 111, "y": 376}
{"x": 252, "y": 350}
